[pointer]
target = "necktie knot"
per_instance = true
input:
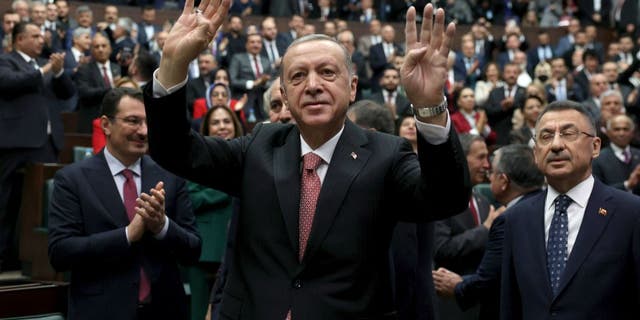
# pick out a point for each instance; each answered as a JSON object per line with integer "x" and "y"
{"x": 33, "y": 63}
{"x": 311, "y": 161}
{"x": 128, "y": 174}
{"x": 562, "y": 203}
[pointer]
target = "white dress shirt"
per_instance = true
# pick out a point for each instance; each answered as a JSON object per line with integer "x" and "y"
{"x": 580, "y": 195}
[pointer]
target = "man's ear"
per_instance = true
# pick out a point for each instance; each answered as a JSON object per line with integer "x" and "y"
{"x": 105, "y": 124}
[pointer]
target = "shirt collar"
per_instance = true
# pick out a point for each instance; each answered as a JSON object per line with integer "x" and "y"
{"x": 325, "y": 151}
{"x": 116, "y": 167}
{"x": 579, "y": 194}
{"x": 24, "y": 56}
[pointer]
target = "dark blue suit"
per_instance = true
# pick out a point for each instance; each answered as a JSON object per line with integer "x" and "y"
{"x": 483, "y": 286}
{"x": 601, "y": 279}
{"x": 87, "y": 221}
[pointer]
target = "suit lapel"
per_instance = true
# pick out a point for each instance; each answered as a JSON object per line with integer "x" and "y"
{"x": 347, "y": 161}
{"x": 286, "y": 171}
{"x": 536, "y": 239}
{"x": 103, "y": 184}
{"x": 149, "y": 175}
{"x": 593, "y": 224}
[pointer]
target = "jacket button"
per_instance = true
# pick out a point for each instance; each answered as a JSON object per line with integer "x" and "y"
{"x": 297, "y": 284}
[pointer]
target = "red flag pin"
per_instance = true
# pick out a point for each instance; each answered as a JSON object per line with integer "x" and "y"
{"x": 602, "y": 212}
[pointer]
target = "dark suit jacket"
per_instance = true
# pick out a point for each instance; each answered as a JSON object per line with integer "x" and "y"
{"x": 411, "y": 248}
{"x": 87, "y": 221}
{"x": 483, "y": 286}
{"x": 27, "y": 101}
{"x": 403, "y": 107}
{"x": 143, "y": 40}
{"x": 459, "y": 242}
{"x": 378, "y": 62}
{"x": 460, "y": 72}
{"x": 196, "y": 88}
{"x": 500, "y": 120}
{"x": 600, "y": 280}
{"x": 586, "y": 11}
{"x": 91, "y": 90}
{"x": 345, "y": 271}
{"x": 613, "y": 172}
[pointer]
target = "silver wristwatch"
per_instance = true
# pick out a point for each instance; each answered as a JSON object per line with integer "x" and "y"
{"x": 428, "y": 112}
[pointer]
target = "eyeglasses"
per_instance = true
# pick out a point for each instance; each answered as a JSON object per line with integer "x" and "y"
{"x": 567, "y": 135}
{"x": 132, "y": 121}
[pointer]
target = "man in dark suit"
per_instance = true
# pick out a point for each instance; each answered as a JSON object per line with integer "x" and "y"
{"x": 468, "y": 66}
{"x": 30, "y": 123}
{"x": 347, "y": 39}
{"x": 618, "y": 164}
{"x": 514, "y": 177}
{"x": 197, "y": 88}
{"x": 273, "y": 47}
{"x": 459, "y": 240}
{"x": 121, "y": 244}
{"x": 572, "y": 252}
{"x": 381, "y": 55}
{"x": 390, "y": 96}
{"x": 595, "y": 12}
{"x": 250, "y": 73}
{"x": 541, "y": 52}
{"x": 289, "y": 260}
{"x": 147, "y": 28}
{"x": 503, "y": 101}
{"x": 93, "y": 80}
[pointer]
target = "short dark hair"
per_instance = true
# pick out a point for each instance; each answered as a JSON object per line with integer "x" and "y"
{"x": 19, "y": 29}
{"x": 518, "y": 163}
{"x": 146, "y": 64}
{"x": 111, "y": 100}
{"x": 371, "y": 115}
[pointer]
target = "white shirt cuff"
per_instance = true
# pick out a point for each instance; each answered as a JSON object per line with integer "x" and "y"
{"x": 160, "y": 91}
{"x": 433, "y": 133}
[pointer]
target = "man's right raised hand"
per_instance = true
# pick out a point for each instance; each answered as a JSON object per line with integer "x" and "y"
{"x": 190, "y": 35}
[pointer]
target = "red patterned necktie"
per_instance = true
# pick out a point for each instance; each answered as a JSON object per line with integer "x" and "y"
{"x": 105, "y": 77}
{"x": 130, "y": 194}
{"x": 309, "y": 191}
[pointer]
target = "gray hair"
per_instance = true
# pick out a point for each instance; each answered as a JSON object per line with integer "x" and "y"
{"x": 371, "y": 115}
{"x": 319, "y": 37}
{"x": 80, "y": 31}
{"x": 612, "y": 92}
{"x": 518, "y": 163}
{"x": 626, "y": 117}
{"x": 83, "y": 9}
{"x": 467, "y": 139}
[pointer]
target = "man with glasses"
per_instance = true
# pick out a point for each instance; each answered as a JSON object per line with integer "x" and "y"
{"x": 572, "y": 252}
{"x": 514, "y": 177}
{"x": 121, "y": 224}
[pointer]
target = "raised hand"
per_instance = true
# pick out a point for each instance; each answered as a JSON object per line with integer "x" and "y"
{"x": 190, "y": 35}
{"x": 424, "y": 71}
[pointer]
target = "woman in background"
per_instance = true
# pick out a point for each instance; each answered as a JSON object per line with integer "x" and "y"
{"x": 213, "y": 210}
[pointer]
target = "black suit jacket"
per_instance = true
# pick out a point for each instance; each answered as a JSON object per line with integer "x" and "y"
{"x": 378, "y": 62}
{"x": 499, "y": 119}
{"x": 27, "y": 101}
{"x": 403, "y": 107}
{"x": 345, "y": 271}
{"x": 613, "y": 172}
{"x": 87, "y": 221}
{"x": 91, "y": 90}
{"x": 196, "y": 88}
{"x": 600, "y": 280}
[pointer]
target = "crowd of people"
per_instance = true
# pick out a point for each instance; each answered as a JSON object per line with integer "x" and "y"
{"x": 320, "y": 174}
